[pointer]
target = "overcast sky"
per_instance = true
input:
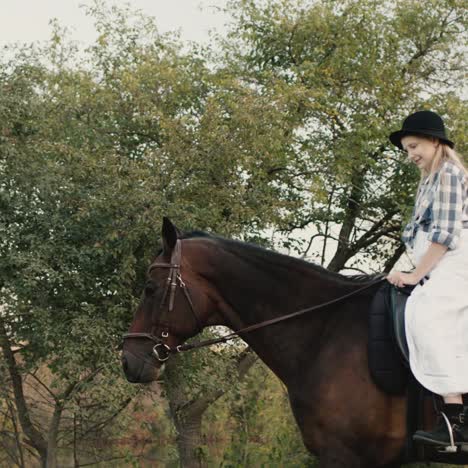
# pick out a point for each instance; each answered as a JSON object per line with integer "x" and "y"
{"x": 28, "y": 20}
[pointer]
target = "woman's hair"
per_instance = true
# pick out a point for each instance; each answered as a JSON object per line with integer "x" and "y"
{"x": 447, "y": 154}
{"x": 444, "y": 153}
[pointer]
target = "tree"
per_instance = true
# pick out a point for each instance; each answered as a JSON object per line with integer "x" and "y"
{"x": 285, "y": 129}
{"x": 350, "y": 72}
{"x": 95, "y": 147}
{"x": 192, "y": 389}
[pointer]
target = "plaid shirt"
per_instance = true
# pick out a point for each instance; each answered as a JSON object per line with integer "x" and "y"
{"x": 441, "y": 207}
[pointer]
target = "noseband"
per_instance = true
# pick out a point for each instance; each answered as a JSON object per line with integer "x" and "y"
{"x": 161, "y": 349}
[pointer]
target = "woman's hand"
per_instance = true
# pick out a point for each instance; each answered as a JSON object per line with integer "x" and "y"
{"x": 400, "y": 279}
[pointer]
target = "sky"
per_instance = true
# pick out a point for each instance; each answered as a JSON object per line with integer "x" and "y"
{"x": 28, "y": 20}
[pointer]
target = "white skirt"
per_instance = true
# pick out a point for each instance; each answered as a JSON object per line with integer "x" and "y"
{"x": 437, "y": 321}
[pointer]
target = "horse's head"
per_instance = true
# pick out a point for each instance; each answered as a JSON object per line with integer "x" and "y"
{"x": 175, "y": 305}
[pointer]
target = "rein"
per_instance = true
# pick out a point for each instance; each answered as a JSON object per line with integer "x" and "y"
{"x": 162, "y": 351}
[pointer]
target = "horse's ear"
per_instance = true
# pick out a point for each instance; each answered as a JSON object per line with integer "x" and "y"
{"x": 170, "y": 235}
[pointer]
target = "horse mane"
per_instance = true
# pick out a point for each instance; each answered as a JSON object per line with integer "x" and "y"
{"x": 271, "y": 256}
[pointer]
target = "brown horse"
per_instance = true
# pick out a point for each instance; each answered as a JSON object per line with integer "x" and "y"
{"x": 321, "y": 356}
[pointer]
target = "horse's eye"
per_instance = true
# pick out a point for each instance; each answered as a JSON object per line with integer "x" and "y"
{"x": 150, "y": 289}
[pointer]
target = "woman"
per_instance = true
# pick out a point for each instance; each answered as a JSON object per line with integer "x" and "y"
{"x": 437, "y": 310}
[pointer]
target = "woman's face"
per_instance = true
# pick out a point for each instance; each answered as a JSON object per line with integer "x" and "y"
{"x": 420, "y": 150}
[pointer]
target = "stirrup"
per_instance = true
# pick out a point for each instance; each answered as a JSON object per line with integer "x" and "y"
{"x": 452, "y": 448}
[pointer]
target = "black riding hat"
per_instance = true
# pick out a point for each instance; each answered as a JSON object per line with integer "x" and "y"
{"x": 422, "y": 123}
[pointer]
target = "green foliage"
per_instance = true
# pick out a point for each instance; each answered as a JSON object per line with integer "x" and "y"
{"x": 285, "y": 128}
{"x": 263, "y": 431}
{"x": 95, "y": 147}
{"x": 351, "y": 71}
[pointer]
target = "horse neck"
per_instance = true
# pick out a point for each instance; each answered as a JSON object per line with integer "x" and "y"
{"x": 253, "y": 289}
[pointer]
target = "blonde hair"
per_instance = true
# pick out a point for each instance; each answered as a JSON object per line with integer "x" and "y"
{"x": 444, "y": 153}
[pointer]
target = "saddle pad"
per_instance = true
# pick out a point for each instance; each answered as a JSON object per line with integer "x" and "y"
{"x": 386, "y": 365}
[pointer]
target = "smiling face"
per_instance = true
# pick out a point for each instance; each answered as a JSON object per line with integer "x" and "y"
{"x": 421, "y": 151}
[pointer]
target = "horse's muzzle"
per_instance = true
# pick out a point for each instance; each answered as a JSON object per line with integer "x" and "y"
{"x": 139, "y": 369}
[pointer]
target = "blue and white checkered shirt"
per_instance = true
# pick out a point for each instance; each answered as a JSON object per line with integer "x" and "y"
{"x": 441, "y": 207}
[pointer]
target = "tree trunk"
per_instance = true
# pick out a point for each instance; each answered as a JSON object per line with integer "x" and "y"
{"x": 189, "y": 437}
{"x": 187, "y": 414}
{"x": 53, "y": 434}
{"x": 343, "y": 250}
{"x": 34, "y": 437}
{"x": 394, "y": 258}
{"x": 19, "y": 448}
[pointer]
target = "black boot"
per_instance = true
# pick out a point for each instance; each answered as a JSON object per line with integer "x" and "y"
{"x": 458, "y": 419}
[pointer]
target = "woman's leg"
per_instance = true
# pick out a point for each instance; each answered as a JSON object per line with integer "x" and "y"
{"x": 453, "y": 399}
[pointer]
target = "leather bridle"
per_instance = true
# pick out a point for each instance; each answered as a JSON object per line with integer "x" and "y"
{"x": 162, "y": 350}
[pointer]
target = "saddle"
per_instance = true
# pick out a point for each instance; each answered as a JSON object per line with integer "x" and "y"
{"x": 389, "y": 367}
{"x": 388, "y": 349}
